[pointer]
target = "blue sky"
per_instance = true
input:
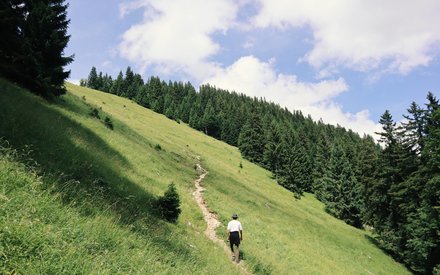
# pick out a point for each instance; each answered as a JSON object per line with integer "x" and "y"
{"x": 343, "y": 61}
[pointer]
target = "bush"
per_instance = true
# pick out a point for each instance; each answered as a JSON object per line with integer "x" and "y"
{"x": 158, "y": 147}
{"x": 108, "y": 123}
{"x": 94, "y": 113}
{"x": 168, "y": 205}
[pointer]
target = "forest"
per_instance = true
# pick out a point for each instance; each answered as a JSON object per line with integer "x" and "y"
{"x": 391, "y": 187}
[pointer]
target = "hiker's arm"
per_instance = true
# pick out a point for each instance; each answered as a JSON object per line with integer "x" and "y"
{"x": 241, "y": 234}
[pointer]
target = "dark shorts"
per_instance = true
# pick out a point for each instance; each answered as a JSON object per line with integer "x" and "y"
{"x": 234, "y": 238}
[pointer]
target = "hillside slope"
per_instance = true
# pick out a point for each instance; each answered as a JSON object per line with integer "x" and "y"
{"x": 97, "y": 216}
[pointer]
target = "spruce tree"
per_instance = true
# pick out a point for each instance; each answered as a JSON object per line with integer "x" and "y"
{"x": 92, "y": 80}
{"x": 32, "y": 48}
{"x": 44, "y": 40}
{"x": 168, "y": 205}
{"x": 272, "y": 149}
{"x": 251, "y": 139}
{"x": 12, "y": 19}
{"x": 117, "y": 84}
{"x": 209, "y": 121}
{"x": 295, "y": 170}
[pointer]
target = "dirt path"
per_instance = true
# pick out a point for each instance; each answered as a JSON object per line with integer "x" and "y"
{"x": 209, "y": 216}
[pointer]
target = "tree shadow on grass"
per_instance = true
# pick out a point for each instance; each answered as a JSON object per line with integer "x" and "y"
{"x": 379, "y": 245}
{"x": 78, "y": 164}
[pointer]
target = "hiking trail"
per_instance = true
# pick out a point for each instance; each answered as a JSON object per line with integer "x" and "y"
{"x": 210, "y": 217}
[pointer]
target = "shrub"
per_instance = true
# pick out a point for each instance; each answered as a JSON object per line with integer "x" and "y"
{"x": 94, "y": 113}
{"x": 168, "y": 205}
{"x": 158, "y": 147}
{"x": 108, "y": 123}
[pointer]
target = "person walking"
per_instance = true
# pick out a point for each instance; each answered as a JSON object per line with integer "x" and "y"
{"x": 235, "y": 236}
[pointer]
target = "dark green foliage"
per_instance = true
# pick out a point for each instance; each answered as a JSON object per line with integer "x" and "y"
{"x": 251, "y": 139}
{"x": 108, "y": 123}
{"x": 11, "y": 20}
{"x": 342, "y": 196}
{"x": 94, "y": 113}
{"x": 294, "y": 171}
{"x": 168, "y": 205}
{"x": 34, "y": 36}
{"x": 403, "y": 204}
{"x": 158, "y": 147}
{"x": 117, "y": 84}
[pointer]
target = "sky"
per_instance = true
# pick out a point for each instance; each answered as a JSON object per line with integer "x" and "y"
{"x": 342, "y": 61}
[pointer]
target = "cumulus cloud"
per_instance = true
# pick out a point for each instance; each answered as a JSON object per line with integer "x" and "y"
{"x": 253, "y": 77}
{"x": 175, "y": 35}
{"x": 389, "y": 36}
{"x": 176, "y": 38}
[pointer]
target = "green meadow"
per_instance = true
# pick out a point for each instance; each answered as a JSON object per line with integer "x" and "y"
{"x": 77, "y": 197}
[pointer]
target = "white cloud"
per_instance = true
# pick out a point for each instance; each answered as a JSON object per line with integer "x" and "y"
{"x": 175, "y": 35}
{"x": 256, "y": 78}
{"x": 390, "y": 36}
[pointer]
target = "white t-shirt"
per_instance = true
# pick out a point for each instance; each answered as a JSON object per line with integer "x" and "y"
{"x": 234, "y": 225}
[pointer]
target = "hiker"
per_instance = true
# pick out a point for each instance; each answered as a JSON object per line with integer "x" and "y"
{"x": 235, "y": 235}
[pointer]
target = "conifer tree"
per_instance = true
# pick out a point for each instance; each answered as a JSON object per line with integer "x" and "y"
{"x": 273, "y": 148}
{"x": 12, "y": 19}
{"x": 169, "y": 204}
{"x": 209, "y": 121}
{"x": 92, "y": 80}
{"x": 117, "y": 84}
{"x": 45, "y": 37}
{"x": 294, "y": 171}
{"x": 251, "y": 139}
{"x": 39, "y": 38}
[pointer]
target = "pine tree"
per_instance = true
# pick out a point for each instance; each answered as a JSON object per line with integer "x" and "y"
{"x": 379, "y": 200}
{"x": 209, "y": 121}
{"x": 367, "y": 175}
{"x": 92, "y": 80}
{"x": 44, "y": 40}
{"x": 295, "y": 166}
{"x": 127, "y": 87}
{"x": 339, "y": 188}
{"x": 168, "y": 205}
{"x": 273, "y": 149}
{"x": 12, "y": 19}
{"x": 35, "y": 39}
{"x": 117, "y": 84}
{"x": 414, "y": 128}
{"x": 107, "y": 83}
{"x": 251, "y": 139}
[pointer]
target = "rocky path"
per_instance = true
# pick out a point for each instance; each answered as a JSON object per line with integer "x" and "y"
{"x": 209, "y": 216}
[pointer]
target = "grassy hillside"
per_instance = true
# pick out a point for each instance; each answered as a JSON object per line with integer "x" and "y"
{"x": 86, "y": 207}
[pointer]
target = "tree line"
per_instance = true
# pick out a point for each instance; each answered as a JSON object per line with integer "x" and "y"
{"x": 393, "y": 188}
{"x": 33, "y": 37}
